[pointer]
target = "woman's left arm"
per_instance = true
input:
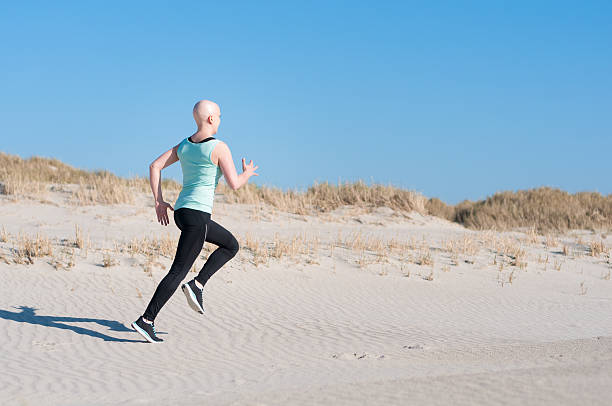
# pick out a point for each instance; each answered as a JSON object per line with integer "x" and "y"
{"x": 166, "y": 159}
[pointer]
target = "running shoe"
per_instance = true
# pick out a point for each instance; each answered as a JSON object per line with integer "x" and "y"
{"x": 194, "y": 296}
{"x": 146, "y": 330}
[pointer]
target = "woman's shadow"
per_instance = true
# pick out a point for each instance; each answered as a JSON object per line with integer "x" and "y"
{"x": 28, "y": 315}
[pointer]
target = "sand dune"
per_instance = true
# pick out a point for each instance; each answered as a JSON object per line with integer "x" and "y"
{"x": 318, "y": 328}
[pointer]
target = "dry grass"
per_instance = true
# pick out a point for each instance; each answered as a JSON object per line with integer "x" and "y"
{"x": 65, "y": 260}
{"x": 164, "y": 246}
{"x": 78, "y": 237}
{"x": 369, "y": 249}
{"x": 532, "y": 236}
{"x": 257, "y": 248}
{"x": 467, "y": 246}
{"x": 4, "y": 235}
{"x": 509, "y": 252}
{"x": 325, "y": 197}
{"x": 105, "y": 188}
{"x": 34, "y": 176}
{"x": 437, "y": 207}
{"x": 108, "y": 260}
{"x": 596, "y": 248}
{"x": 425, "y": 258}
{"x": 551, "y": 241}
{"x": 543, "y": 209}
{"x": 547, "y": 209}
{"x": 151, "y": 261}
{"x": 27, "y": 248}
{"x": 296, "y": 248}
{"x": 517, "y": 257}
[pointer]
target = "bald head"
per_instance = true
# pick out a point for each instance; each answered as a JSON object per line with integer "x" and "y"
{"x": 206, "y": 113}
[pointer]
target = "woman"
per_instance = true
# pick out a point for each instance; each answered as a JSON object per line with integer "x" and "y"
{"x": 203, "y": 160}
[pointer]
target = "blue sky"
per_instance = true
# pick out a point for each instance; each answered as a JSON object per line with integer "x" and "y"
{"x": 457, "y": 100}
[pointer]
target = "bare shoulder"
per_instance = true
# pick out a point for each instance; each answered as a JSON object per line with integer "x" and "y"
{"x": 221, "y": 149}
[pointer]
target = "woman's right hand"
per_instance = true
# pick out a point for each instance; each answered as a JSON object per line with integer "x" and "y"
{"x": 249, "y": 169}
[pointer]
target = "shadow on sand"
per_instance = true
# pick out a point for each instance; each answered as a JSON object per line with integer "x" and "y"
{"x": 28, "y": 315}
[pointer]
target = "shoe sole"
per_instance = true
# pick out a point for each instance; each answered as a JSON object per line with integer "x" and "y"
{"x": 191, "y": 299}
{"x": 143, "y": 333}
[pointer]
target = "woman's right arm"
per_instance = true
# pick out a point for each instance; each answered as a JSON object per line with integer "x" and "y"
{"x": 226, "y": 163}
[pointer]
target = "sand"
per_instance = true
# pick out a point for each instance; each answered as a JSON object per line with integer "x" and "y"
{"x": 315, "y": 329}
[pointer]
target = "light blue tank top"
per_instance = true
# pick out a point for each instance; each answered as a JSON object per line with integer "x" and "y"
{"x": 200, "y": 175}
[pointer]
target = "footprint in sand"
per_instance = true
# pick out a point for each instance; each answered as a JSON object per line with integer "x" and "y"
{"x": 356, "y": 355}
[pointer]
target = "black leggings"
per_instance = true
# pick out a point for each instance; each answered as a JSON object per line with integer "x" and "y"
{"x": 196, "y": 227}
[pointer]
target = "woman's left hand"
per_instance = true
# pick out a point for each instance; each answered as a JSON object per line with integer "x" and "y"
{"x": 161, "y": 208}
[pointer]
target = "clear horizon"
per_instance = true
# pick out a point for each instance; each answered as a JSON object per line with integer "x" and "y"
{"x": 455, "y": 101}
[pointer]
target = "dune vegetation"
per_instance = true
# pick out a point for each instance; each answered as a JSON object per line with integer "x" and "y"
{"x": 543, "y": 209}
